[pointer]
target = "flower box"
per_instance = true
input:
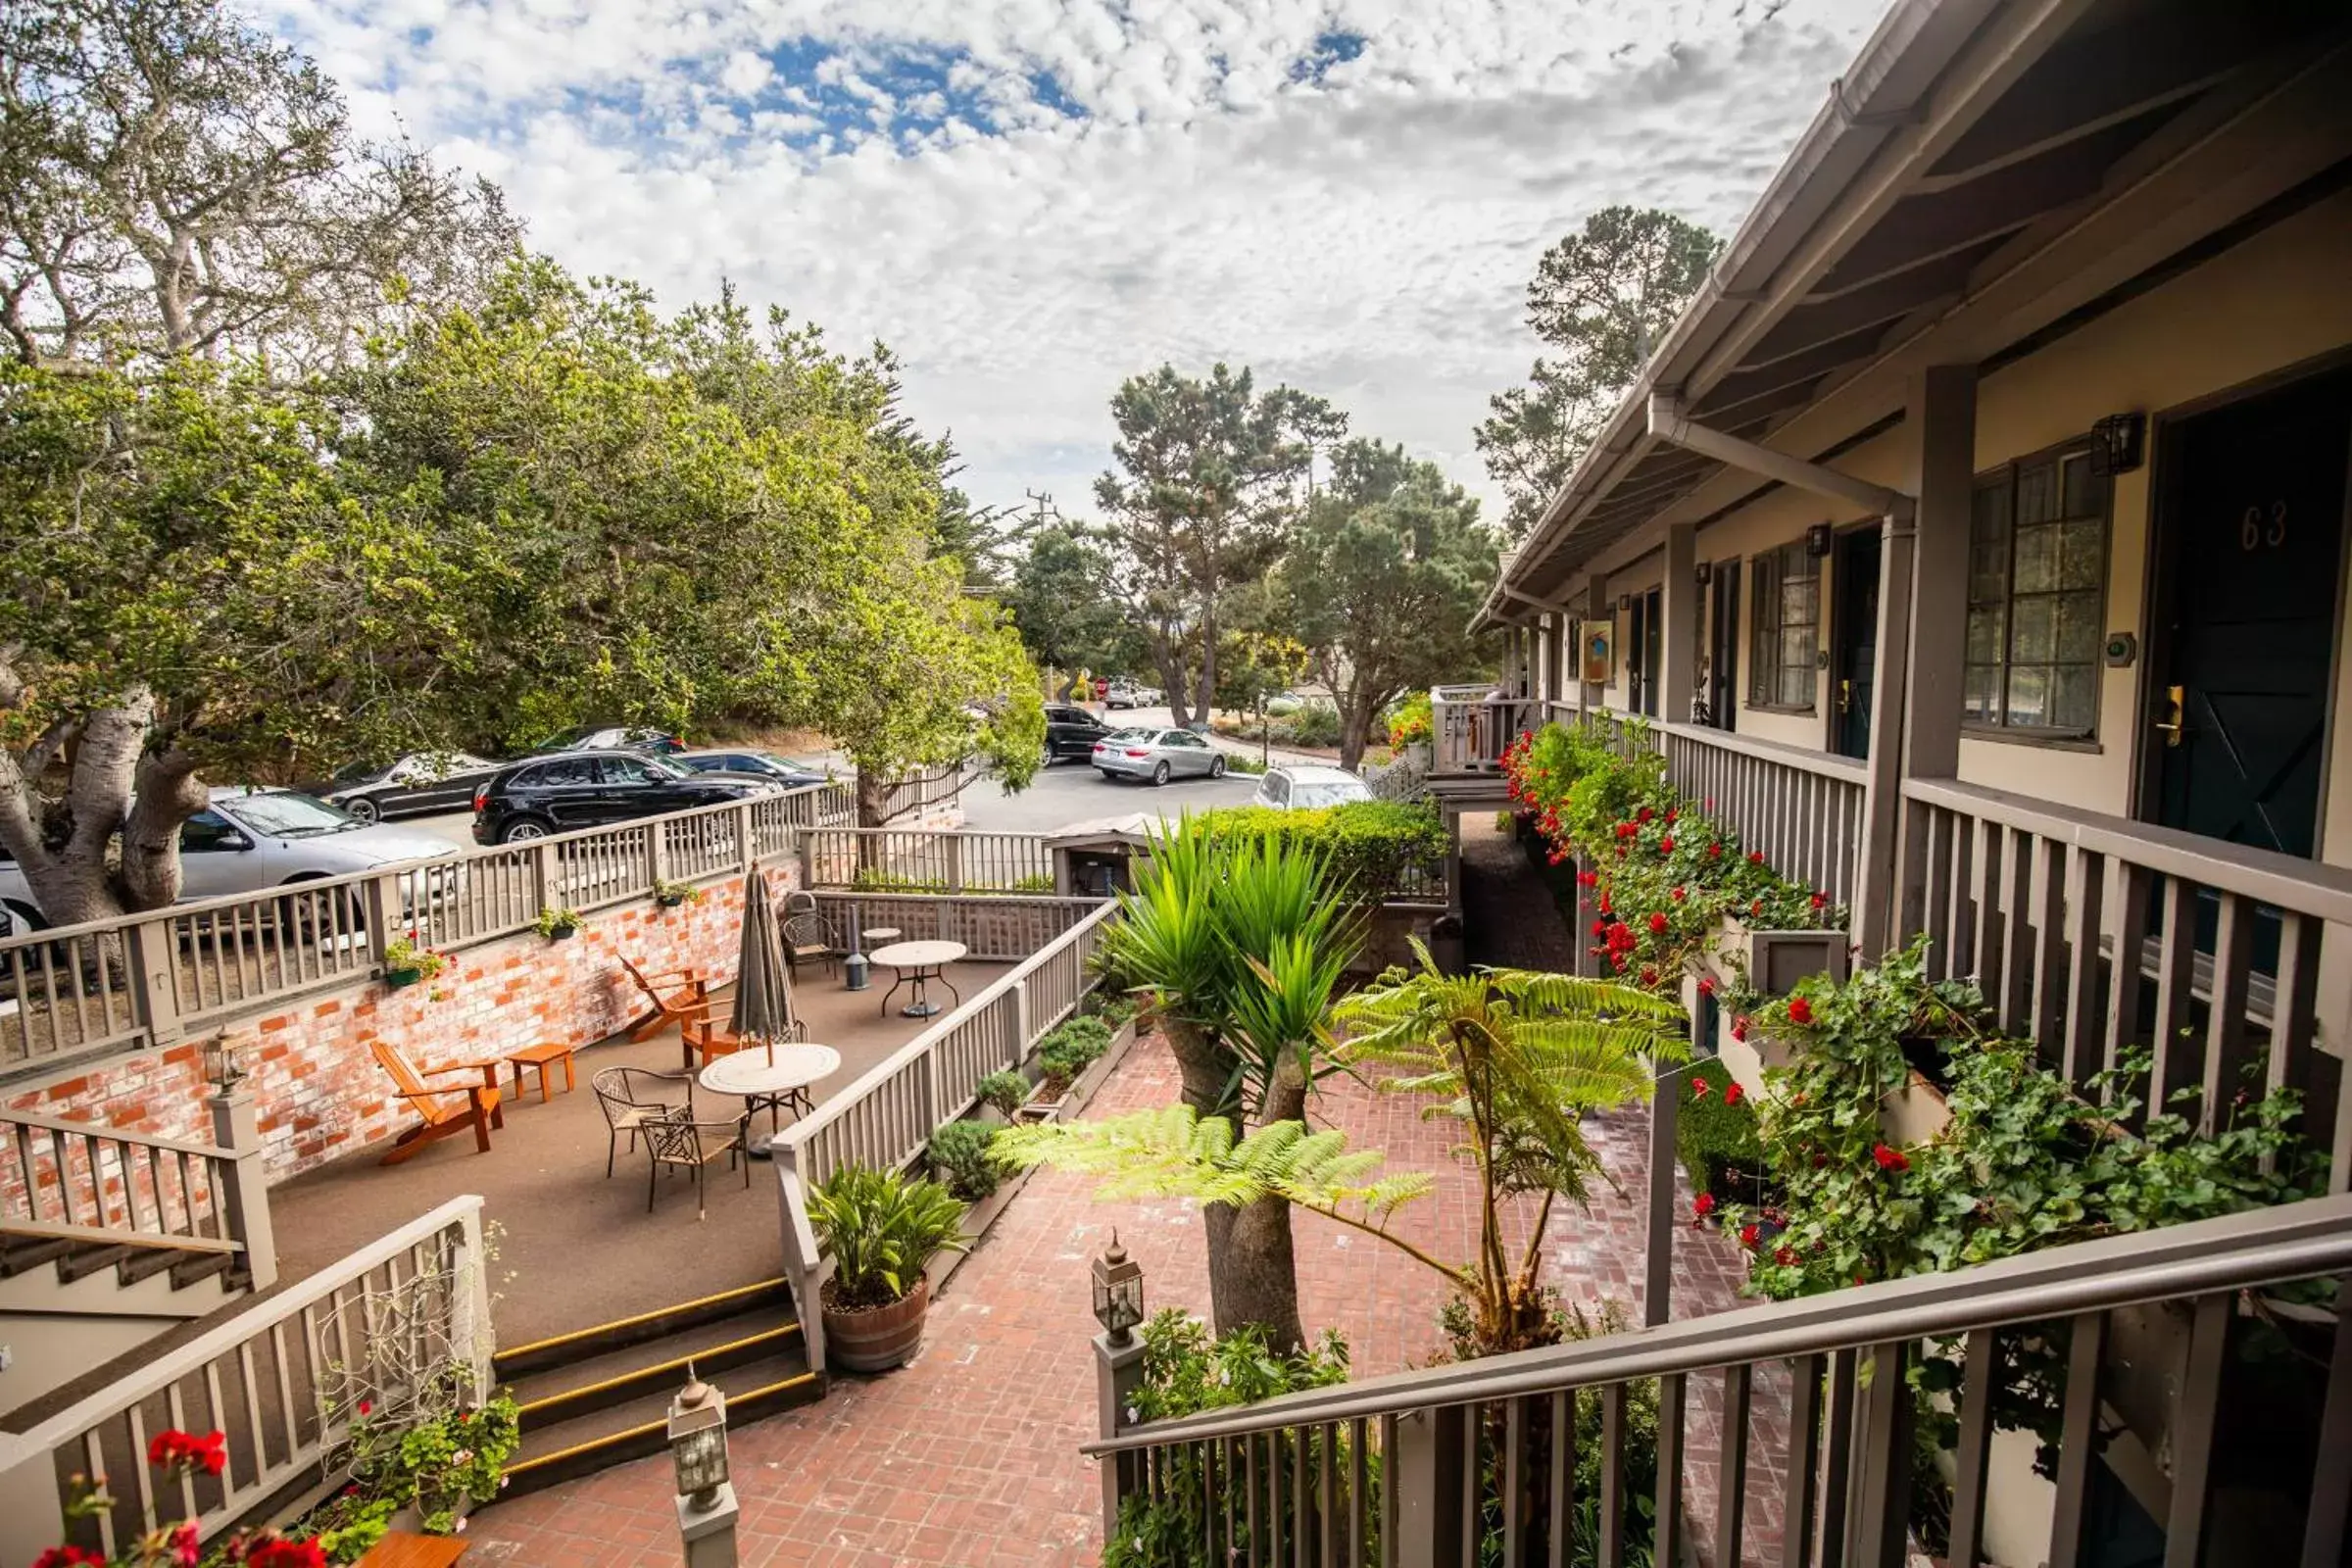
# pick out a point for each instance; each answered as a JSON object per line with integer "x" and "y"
{"x": 1774, "y": 961}
{"x": 398, "y": 978}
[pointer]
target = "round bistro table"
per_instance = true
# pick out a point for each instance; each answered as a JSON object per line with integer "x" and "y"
{"x": 917, "y": 963}
{"x": 759, "y": 1081}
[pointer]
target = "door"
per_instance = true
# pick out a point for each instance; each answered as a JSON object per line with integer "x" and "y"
{"x": 1637, "y": 670}
{"x": 1723, "y": 647}
{"x": 565, "y": 792}
{"x": 2254, "y": 532}
{"x": 217, "y": 858}
{"x": 1653, "y": 648}
{"x": 1857, "y": 613}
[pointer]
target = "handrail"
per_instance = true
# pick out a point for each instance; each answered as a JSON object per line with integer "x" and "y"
{"x": 1828, "y": 764}
{"x": 116, "y": 1134}
{"x": 2294, "y": 1241}
{"x": 2308, "y": 887}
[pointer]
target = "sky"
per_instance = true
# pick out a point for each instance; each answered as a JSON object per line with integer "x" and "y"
{"x": 1030, "y": 199}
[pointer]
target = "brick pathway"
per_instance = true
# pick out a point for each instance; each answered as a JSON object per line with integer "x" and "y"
{"x": 969, "y": 1456}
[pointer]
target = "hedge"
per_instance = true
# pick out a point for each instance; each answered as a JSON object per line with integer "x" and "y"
{"x": 1715, "y": 1133}
{"x": 1380, "y": 847}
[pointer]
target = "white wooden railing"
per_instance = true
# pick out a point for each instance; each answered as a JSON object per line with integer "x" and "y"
{"x": 926, "y": 860}
{"x": 993, "y": 927}
{"x": 1802, "y": 808}
{"x": 885, "y": 1120}
{"x": 260, "y": 1378}
{"x": 1470, "y": 730}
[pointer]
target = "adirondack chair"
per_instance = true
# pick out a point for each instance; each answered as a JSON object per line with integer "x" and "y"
{"x": 676, "y": 995}
{"x": 448, "y": 1109}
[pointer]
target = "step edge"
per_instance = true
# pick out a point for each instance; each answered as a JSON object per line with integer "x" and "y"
{"x": 648, "y": 1427}
{"x": 635, "y": 1319}
{"x": 675, "y": 1363}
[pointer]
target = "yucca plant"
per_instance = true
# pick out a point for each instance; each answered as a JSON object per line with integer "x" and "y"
{"x": 882, "y": 1227}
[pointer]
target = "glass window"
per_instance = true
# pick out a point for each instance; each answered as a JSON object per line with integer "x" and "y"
{"x": 2036, "y": 596}
{"x": 208, "y": 831}
{"x": 1784, "y": 633}
{"x": 572, "y": 770}
{"x": 281, "y": 814}
{"x": 624, "y": 771}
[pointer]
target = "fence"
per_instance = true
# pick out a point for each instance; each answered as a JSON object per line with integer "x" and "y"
{"x": 886, "y": 1119}
{"x": 261, "y": 1377}
{"x": 1394, "y": 1470}
{"x": 70, "y": 993}
{"x": 1802, "y": 808}
{"x": 1470, "y": 731}
{"x": 918, "y": 860}
{"x": 993, "y": 927}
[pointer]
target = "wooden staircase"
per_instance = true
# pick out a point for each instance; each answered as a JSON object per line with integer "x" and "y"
{"x": 600, "y": 1395}
{"x": 188, "y": 1259}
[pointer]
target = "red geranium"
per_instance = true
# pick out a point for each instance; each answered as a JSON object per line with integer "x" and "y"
{"x": 1890, "y": 1159}
{"x": 1738, "y": 1028}
{"x": 68, "y": 1557}
{"x": 1714, "y": 852}
{"x": 1587, "y": 878}
{"x": 1600, "y": 928}
{"x": 1820, "y": 899}
{"x": 1666, "y": 846}
{"x": 1755, "y": 857}
{"x": 1657, "y": 923}
{"x": 173, "y": 1449}
{"x": 1671, "y": 815}
{"x": 1703, "y": 1204}
{"x": 1733, "y": 1094}
{"x": 1650, "y": 975}
{"x": 1800, "y": 1011}
{"x": 1748, "y": 1234}
{"x": 1706, "y": 985}
{"x": 1644, "y": 814}
{"x": 1678, "y": 895}
{"x": 1785, "y": 1257}
{"x": 1700, "y": 1089}
{"x": 286, "y": 1554}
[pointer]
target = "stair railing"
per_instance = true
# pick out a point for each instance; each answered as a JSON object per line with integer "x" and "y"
{"x": 1400, "y": 1471}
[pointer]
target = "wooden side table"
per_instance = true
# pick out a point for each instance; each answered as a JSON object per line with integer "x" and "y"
{"x": 542, "y": 1056}
{"x": 401, "y": 1549}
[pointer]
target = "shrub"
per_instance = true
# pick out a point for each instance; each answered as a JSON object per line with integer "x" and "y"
{"x": 1072, "y": 1049}
{"x": 1007, "y": 1091}
{"x": 1715, "y": 1133}
{"x": 1373, "y": 845}
{"x": 1314, "y": 724}
{"x": 959, "y": 1152}
{"x": 1410, "y": 720}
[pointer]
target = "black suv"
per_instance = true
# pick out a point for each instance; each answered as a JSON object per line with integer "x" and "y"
{"x": 588, "y": 789}
{"x": 1071, "y": 732}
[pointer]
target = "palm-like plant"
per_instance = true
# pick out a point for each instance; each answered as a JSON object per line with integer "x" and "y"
{"x": 883, "y": 1226}
{"x": 1519, "y": 1058}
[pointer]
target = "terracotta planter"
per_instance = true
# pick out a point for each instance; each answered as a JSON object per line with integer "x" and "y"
{"x": 879, "y": 1337}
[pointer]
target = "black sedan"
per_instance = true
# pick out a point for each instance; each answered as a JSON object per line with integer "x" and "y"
{"x": 416, "y": 784}
{"x": 544, "y": 794}
{"x": 751, "y": 763}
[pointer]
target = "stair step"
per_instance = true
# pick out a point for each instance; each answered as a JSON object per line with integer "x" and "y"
{"x": 657, "y": 1366}
{"x": 22, "y": 1257}
{"x": 155, "y": 1259}
{"x": 187, "y": 1269}
{"x": 582, "y": 1345}
{"x": 86, "y": 1259}
{"x": 595, "y": 1440}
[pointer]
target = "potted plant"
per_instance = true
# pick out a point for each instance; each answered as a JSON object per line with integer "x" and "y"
{"x": 433, "y": 1468}
{"x": 1005, "y": 1092}
{"x": 882, "y": 1228}
{"x": 669, "y": 894}
{"x": 558, "y": 924}
{"x": 408, "y": 960}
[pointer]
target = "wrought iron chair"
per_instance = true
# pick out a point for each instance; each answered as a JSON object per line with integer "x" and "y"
{"x": 681, "y": 1143}
{"x": 808, "y": 937}
{"x": 629, "y": 1098}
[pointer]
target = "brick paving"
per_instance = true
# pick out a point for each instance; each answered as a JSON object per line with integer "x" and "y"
{"x": 970, "y": 1456}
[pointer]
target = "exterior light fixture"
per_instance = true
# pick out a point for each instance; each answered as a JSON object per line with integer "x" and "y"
{"x": 1118, "y": 1291}
{"x": 1625, "y": 601}
{"x": 697, "y": 1442}
{"x": 221, "y": 1063}
{"x": 2117, "y": 442}
{"x": 1703, "y": 574}
{"x": 1817, "y": 540}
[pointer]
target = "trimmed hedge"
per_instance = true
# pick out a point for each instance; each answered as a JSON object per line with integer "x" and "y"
{"x": 1072, "y": 1049}
{"x": 1377, "y": 845}
{"x": 960, "y": 1149}
{"x": 1718, "y": 1140}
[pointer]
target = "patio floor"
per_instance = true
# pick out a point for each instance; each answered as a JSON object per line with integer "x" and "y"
{"x": 574, "y": 1249}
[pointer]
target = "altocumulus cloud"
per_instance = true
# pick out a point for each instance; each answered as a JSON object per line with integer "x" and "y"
{"x": 1031, "y": 199}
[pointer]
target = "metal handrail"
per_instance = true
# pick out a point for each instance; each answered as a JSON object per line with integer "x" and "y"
{"x": 2266, "y": 1247}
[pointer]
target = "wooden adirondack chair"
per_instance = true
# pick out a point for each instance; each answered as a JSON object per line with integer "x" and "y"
{"x": 676, "y": 995}
{"x": 450, "y": 1108}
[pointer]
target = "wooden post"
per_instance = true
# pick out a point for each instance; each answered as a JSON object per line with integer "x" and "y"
{"x": 1119, "y": 1373}
{"x": 1883, "y": 787}
{"x": 746, "y": 851}
{"x": 1665, "y": 1114}
{"x": 1678, "y": 664}
{"x": 244, "y": 1195}
{"x": 471, "y": 1334}
{"x": 1594, "y": 694}
{"x": 1425, "y": 1473}
{"x": 1941, "y": 422}
{"x": 151, "y": 956}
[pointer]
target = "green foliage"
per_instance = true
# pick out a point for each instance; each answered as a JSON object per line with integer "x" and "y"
{"x": 1372, "y": 847}
{"x": 439, "y": 1464}
{"x": 1715, "y": 1134}
{"x": 349, "y": 1523}
{"x": 1063, "y": 604}
{"x": 405, "y": 955}
{"x": 1007, "y": 1091}
{"x": 882, "y": 1228}
{"x": 1071, "y": 1049}
{"x": 959, "y": 1152}
{"x": 1412, "y": 720}
{"x": 675, "y": 893}
{"x": 555, "y": 920}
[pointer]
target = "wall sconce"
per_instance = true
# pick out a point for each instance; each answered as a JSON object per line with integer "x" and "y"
{"x": 1118, "y": 1291}
{"x": 1817, "y": 540}
{"x": 2116, "y": 443}
{"x": 1703, "y": 574}
{"x": 698, "y": 1440}
{"x": 1625, "y": 602}
{"x": 221, "y": 1064}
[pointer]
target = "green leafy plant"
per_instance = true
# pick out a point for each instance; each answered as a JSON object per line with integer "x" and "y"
{"x": 349, "y": 1523}
{"x": 882, "y": 1227}
{"x": 557, "y": 921}
{"x": 959, "y": 1154}
{"x": 1007, "y": 1091}
{"x": 408, "y": 956}
{"x": 1072, "y": 1049}
{"x": 672, "y": 893}
{"x": 1715, "y": 1134}
{"x": 1376, "y": 847}
{"x": 1412, "y": 721}
{"x": 437, "y": 1464}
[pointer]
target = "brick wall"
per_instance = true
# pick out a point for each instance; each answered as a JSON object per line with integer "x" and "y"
{"x": 311, "y": 1062}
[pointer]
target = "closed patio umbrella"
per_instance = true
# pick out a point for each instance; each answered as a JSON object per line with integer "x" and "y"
{"x": 763, "y": 987}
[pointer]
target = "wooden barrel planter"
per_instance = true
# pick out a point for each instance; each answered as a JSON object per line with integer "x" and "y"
{"x": 875, "y": 1339}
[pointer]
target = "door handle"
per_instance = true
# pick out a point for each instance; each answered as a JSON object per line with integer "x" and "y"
{"x": 2178, "y": 697}
{"x": 1846, "y": 697}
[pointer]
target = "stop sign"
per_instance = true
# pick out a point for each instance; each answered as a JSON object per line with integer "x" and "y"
{"x": 1101, "y": 688}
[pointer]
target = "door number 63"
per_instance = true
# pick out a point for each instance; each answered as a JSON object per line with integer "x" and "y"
{"x": 2255, "y": 529}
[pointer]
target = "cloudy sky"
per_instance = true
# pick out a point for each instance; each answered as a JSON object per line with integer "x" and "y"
{"x": 1031, "y": 199}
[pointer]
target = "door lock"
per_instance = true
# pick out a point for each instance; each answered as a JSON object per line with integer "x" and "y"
{"x": 2177, "y": 697}
{"x": 1846, "y": 697}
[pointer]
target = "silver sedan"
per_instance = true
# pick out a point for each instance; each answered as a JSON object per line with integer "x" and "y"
{"x": 1158, "y": 754}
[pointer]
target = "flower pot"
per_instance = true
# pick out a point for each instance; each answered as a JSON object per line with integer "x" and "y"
{"x": 876, "y": 1339}
{"x": 669, "y": 901}
{"x": 563, "y": 933}
{"x": 397, "y": 978}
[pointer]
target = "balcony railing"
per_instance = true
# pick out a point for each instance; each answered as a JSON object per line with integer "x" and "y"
{"x": 1471, "y": 728}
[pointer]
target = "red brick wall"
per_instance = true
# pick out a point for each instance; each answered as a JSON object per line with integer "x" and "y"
{"x": 312, "y": 1065}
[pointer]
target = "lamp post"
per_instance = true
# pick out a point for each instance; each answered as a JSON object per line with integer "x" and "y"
{"x": 698, "y": 1448}
{"x": 1119, "y": 1365}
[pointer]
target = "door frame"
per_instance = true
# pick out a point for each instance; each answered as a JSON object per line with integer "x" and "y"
{"x": 1841, "y": 538}
{"x": 2162, "y": 586}
{"x": 1725, "y": 582}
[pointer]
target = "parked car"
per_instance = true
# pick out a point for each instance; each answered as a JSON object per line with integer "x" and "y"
{"x": 1304, "y": 788}
{"x": 249, "y": 839}
{"x": 610, "y": 738}
{"x": 1158, "y": 754}
{"x": 544, "y": 795}
{"x": 1127, "y": 694}
{"x": 1071, "y": 732}
{"x": 751, "y": 763}
{"x": 416, "y": 784}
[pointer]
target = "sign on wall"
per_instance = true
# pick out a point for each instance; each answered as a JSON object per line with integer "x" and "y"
{"x": 1598, "y": 640}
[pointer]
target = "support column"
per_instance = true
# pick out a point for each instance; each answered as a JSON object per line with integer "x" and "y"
{"x": 244, "y": 1193}
{"x": 1597, "y": 608}
{"x": 1883, "y": 790}
{"x": 1678, "y": 665}
{"x": 1665, "y": 1114}
{"x": 1941, "y": 425}
{"x": 1425, "y": 1471}
{"x": 1119, "y": 1373}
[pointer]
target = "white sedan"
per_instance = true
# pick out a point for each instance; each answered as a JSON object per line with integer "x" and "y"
{"x": 1303, "y": 789}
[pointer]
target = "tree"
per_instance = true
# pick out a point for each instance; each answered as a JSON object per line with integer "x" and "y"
{"x": 1197, "y": 510}
{"x": 1066, "y": 617}
{"x": 172, "y": 180}
{"x": 1602, "y": 299}
{"x": 1381, "y": 580}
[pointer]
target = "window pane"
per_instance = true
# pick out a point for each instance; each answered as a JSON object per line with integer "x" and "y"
{"x": 2034, "y": 632}
{"x": 1984, "y": 636}
{"x": 2084, "y": 494}
{"x": 2036, "y": 494}
{"x": 2080, "y": 549}
{"x": 2074, "y": 695}
{"x": 2036, "y": 560}
{"x": 2078, "y": 628}
{"x": 1982, "y": 696}
{"x": 1796, "y": 648}
{"x": 2028, "y": 694}
{"x": 1797, "y": 687}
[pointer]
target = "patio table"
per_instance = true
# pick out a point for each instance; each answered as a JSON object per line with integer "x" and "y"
{"x": 751, "y": 1074}
{"x": 917, "y": 962}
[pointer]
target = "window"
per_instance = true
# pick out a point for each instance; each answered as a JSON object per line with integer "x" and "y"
{"x": 209, "y": 832}
{"x": 624, "y": 771}
{"x": 284, "y": 815}
{"x": 2036, "y": 596}
{"x": 572, "y": 771}
{"x": 1785, "y": 632}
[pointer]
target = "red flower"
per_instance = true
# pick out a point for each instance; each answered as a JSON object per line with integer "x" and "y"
{"x": 1657, "y": 923}
{"x": 1785, "y": 1257}
{"x": 1644, "y": 814}
{"x": 1710, "y": 803}
{"x": 1626, "y": 831}
{"x": 1666, "y": 846}
{"x": 286, "y": 1554}
{"x": 174, "y": 1449}
{"x": 1748, "y": 1234}
{"x": 1706, "y": 985}
{"x": 365, "y": 1406}
{"x": 1600, "y": 928}
{"x": 1755, "y": 906}
{"x": 1738, "y": 1028}
{"x": 1671, "y": 815}
{"x": 1678, "y": 895}
{"x": 1820, "y": 899}
{"x": 1650, "y": 975}
{"x": 1733, "y": 1094}
{"x": 1587, "y": 878}
{"x": 187, "y": 1549}
{"x": 1890, "y": 1159}
{"x": 1618, "y": 960}
{"x": 1800, "y": 1011}
{"x": 1755, "y": 857}
{"x": 1700, "y": 1089}
{"x": 1703, "y": 1204}
{"x": 68, "y": 1557}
